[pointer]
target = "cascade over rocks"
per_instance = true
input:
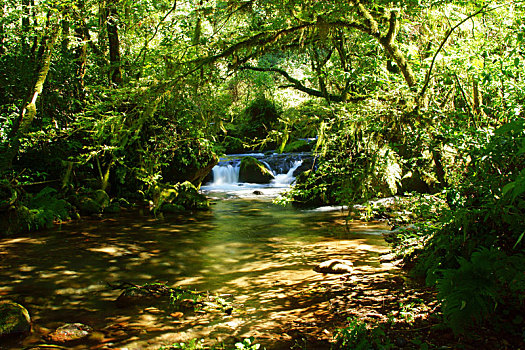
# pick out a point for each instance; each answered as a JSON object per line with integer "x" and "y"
{"x": 14, "y": 318}
{"x": 253, "y": 171}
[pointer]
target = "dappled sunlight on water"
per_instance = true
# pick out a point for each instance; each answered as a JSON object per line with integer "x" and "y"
{"x": 259, "y": 253}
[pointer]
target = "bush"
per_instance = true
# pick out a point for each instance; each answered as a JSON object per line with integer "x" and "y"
{"x": 475, "y": 254}
{"x": 44, "y": 208}
{"x": 357, "y": 336}
{"x": 489, "y": 282}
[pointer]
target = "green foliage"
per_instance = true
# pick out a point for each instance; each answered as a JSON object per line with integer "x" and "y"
{"x": 357, "y": 335}
{"x": 489, "y": 282}
{"x": 45, "y": 208}
{"x": 181, "y": 196}
{"x": 252, "y": 125}
{"x": 356, "y": 162}
{"x": 247, "y": 344}
{"x": 195, "y": 344}
{"x": 298, "y": 146}
{"x": 487, "y": 208}
{"x": 475, "y": 251}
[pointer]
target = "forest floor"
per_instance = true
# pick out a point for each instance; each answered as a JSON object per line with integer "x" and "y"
{"x": 397, "y": 311}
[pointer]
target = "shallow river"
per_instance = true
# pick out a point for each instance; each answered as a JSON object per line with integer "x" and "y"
{"x": 260, "y": 253}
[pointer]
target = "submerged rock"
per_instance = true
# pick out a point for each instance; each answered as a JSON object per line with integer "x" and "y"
{"x": 335, "y": 266}
{"x": 14, "y": 318}
{"x": 134, "y": 296}
{"x": 253, "y": 171}
{"x": 70, "y": 332}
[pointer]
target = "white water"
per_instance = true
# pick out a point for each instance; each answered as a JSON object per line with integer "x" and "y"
{"x": 284, "y": 180}
{"x": 226, "y": 180}
{"x": 228, "y": 174}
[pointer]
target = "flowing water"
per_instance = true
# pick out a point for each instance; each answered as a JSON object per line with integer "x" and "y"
{"x": 260, "y": 253}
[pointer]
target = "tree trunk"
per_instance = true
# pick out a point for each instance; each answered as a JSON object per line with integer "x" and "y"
{"x": 65, "y": 35}
{"x": 80, "y": 56}
{"x": 388, "y": 42}
{"x": 477, "y": 98}
{"x": 80, "y": 53}
{"x": 115, "y": 73}
{"x": 25, "y": 24}
{"x": 28, "y": 113}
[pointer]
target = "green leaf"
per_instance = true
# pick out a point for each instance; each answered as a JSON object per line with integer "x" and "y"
{"x": 519, "y": 240}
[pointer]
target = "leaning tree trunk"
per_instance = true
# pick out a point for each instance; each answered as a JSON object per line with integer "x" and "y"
{"x": 26, "y": 117}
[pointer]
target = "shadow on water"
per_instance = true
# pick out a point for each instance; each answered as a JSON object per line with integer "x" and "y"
{"x": 260, "y": 253}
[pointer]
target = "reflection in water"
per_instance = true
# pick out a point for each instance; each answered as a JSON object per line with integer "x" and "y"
{"x": 261, "y": 253}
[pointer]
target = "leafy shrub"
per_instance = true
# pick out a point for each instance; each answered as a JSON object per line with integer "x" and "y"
{"x": 195, "y": 344}
{"x": 357, "y": 336}
{"x": 475, "y": 254}
{"x": 44, "y": 208}
{"x": 490, "y": 280}
{"x": 260, "y": 116}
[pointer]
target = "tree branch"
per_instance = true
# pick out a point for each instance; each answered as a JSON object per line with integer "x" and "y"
{"x": 296, "y": 84}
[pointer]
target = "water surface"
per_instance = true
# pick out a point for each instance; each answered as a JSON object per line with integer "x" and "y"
{"x": 261, "y": 253}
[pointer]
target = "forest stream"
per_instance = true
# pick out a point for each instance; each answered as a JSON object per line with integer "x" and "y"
{"x": 259, "y": 253}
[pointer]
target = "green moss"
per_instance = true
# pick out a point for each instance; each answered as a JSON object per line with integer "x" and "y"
{"x": 89, "y": 206}
{"x": 171, "y": 208}
{"x": 14, "y": 318}
{"x": 113, "y": 208}
{"x": 190, "y": 198}
{"x": 101, "y": 197}
{"x": 253, "y": 171}
{"x": 298, "y": 146}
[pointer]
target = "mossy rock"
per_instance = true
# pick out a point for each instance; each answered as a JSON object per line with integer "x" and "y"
{"x": 113, "y": 208}
{"x": 298, "y": 146}
{"x": 189, "y": 197}
{"x": 182, "y": 196}
{"x": 101, "y": 197}
{"x": 14, "y": 318}
{"x": 89, "y": 206}
{"x": 253, "y": 171}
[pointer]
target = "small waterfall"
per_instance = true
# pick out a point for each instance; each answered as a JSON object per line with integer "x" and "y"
{"x": 287, "y": 178}
{"x": 225, "y": 175}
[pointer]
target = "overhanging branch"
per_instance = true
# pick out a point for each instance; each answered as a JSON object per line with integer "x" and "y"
{"x": 296, "y": 84}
